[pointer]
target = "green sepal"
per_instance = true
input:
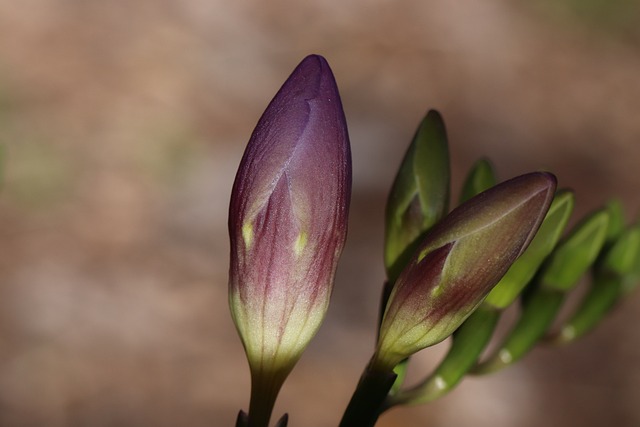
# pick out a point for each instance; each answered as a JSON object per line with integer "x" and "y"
{"x": 537, "y": 316}
{"x": 420, "y": 193}
{"x": 401, "y": 374}
{"x": 573, "y": 256}
{"x": 467, "y": 345}
{"x": 525, "y": 267}
{"x": 481, "y": 177}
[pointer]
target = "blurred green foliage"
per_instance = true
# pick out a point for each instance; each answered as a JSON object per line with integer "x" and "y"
{"x": 619, "y": 19}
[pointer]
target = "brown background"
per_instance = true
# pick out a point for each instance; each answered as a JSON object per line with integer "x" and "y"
{"x": 124, "y": 122}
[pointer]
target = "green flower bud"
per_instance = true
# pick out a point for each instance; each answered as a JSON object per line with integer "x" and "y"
{"x": 420, "y": 193}
{"x": 458, "y": 263}
{"x": 616, "y": 219}
{"x": 481, "y": 177}
{"x": 571, "y": 259}
{"x": 610, "y": 282}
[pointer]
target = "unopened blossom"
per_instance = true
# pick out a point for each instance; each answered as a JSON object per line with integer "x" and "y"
{"x": 459, "y": 262}
{"x": 288, "y": 221}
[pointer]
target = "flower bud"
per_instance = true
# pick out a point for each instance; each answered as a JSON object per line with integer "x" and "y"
{"x": 613, "y": 276}
{"x": 616, "y": 220}
{"x": 420, "y": 193}
{"x": 459, "y": 262}
{"x": 572, "y": 257}
{"x": 288, "y": 219}
{"x": 481, "y": 177}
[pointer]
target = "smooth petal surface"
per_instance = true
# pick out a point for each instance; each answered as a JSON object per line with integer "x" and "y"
{"x": 459, "y": 262}
{"x": 288, "y": 216}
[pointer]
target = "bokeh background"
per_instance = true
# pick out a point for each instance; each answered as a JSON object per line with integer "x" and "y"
{"x": 124, "y": 121}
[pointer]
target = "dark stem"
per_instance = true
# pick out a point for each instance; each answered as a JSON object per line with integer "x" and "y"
{"x": 364, "y": 407}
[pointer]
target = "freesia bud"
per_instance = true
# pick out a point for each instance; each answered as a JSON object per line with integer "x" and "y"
{"x": 612, "y": 272}
{"x": 481, "y": 177}
{"x": 616, "y": 220}
{"x": 288, "y": 223}
{"x": 420, "y": 193}
{"x": 459, "y": 262}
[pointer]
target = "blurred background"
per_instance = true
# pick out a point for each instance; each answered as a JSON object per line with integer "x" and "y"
{"x": 123, "y": 124}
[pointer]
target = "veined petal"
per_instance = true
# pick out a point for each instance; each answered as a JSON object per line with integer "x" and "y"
{"x": 288, "y": 218}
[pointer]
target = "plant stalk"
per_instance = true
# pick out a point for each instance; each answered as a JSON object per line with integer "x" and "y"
{"x": 364, "y": 407}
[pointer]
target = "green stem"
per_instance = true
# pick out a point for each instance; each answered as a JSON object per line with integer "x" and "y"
{"x": 364, "y": 407}
{"x": 264, "y": 391}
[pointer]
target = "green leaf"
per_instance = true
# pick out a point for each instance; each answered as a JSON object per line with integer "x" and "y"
{"x": 571, "y": 259}
{"x": 420, "y": 193}
{"x": 481, "y": 177}
{"x": 524, "y": 268}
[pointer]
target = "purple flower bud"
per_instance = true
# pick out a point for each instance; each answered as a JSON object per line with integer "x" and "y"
{"x": 288, "y": 219}
{"x": 459, "y": 262}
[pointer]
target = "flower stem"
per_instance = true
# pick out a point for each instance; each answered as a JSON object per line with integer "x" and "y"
{"x": 364, "y": 408}
{"x": 264, "y": 391}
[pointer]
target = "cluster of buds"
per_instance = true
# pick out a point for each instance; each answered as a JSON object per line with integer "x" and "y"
{"x": 447, "y": 272}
